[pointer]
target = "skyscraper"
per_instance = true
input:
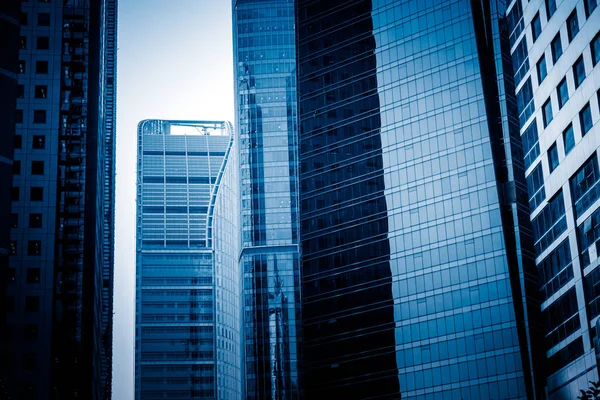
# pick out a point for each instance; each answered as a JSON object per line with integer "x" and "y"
{"x": 187, "y": 278}
{"x": 265, "y": 112}
{"x": 418, "y": 275}
{"x": 555, "y": 53}
{"x": 57, "y": 341}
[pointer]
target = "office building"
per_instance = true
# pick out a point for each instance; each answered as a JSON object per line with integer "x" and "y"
{"x": 418, "y": 274}
{"x": 555, "y": 48}
{"x": 187, "y": 343}
{"x": 265, "y": 123}
{"x": 57, "y": 339}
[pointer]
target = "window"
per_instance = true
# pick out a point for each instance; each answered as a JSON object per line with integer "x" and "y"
{"x": 578, "y": 71}
{"x": 535, "y": 187}
{"x": 19, "y": 117}
{"x": 550, "y": 8}
{"x": 553, "y": 157}
{"x": 41, "y": 91}
{"x": 30, "y": 331}
{"x": 39, "y": 142}
{"x": 14, "y": 220}
{"x": 32, "y": 303}
{"x": 595, "y": 47}
{"x": 43, "y": 43}
{"x": 15, "y": 193}
{"x": 590, "y": 6}
{"x": 22, "y": 66}
{"x": 43, "y": 19}
{"x": 541, "y": 69}
{"x": 12, "y": 275}
{"x": 34, "y": 248}
{"x": 572, "y": 25}
{"x": 37, "y": 168}
{"x": 530, "y": 144}
{"x": 16, "y": 167}
{"x": 41, "y": 67}
{"x": 18, "y": 141}
{"x": 20, "y": 91}
{"x": 13, "y": 248}
{"x": 585, "y": 118}
{"x": 556, "y": 46}
{"x": 36, "y": 193}
{"x": 39, "y": 116}
{"x": 23, "y": 18}
{"x": 569, "y": 138}
{"x": 547, "y": 112}
{"x": 536, "y": 27}
{"x": 584, "y": 191}
{"x": 563, "y": 93}
{"x": 35, "y": 220}
{"x": 33, "y": 275}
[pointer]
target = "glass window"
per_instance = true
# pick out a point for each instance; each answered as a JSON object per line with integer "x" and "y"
{"x": 32, "y": 303}
{"x": 41, "y": 67}
{"x": 18, "y": 141}
{"x": 33, "y": 275}
{"x": 39, "y": 142}
{"x": 529, "y": 140}
{"x": 22, "y": 66}
{"x": 595, "y": 47}
{"x": 553, "y": 157}
{"x": 535, "y": 187}
{"x": 36, "y": 193}
{"x": 39, "y": 116}
{"x": 584, "y": 191}
{"x": 43, "y": 43}
{"x": 37, "y": 168}
{"x": 550, "y": 8}
{"x": 41, "y": 91}
{"x": 556, "y": 46}
{"x": 23, "y": 18}
{"x": 547, "y": 112}
{"x": 578, "y": 71}
{"x": 34, "y": 247}
{"x": 572, "y": 25}
{"x": 15, "y": 193}
{"x": 20, "y": 91}
{"x": 13, "y": 248}
{"x": 536, "y": 26}
{"x": 585, "y": 118}
{"x": 35, "y": 220}
{"x": 16, "y": 167}
{"x": 14, "y": 220}
{"x": 569, "y": 138}
{"x": 19, "y": 117}
{"x": 43, "y": 19}
{"x": 590, "y": 6}
{"x": 541, "y": 69}
{"x": 563, "y": 93}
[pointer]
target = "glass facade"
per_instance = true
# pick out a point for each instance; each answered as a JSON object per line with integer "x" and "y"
{"x": 265, "y": 112}
{"x": 417, "y": 263}
{"x": 187, "y": 280}
{"x": 564, "y": 223}
{"x": 57, "y": 338}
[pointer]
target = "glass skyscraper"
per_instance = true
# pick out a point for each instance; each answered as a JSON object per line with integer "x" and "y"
{"x": 187, "y": 273}
{"x": 418, "y": 275}
{"x": 56, "y": 337}
{"x": 555, "y": 47}
{"x": 265, "y": 113}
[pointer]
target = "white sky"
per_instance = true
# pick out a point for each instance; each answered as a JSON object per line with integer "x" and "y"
{"x": 174, "y": 62}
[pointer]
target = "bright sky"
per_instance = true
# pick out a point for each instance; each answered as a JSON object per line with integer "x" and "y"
{"x": 174, "y": 62}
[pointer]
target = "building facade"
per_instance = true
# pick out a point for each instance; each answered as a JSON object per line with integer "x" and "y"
{"x": 266, "y": 128}
{"x": 187, "y": 277}
{"x": 418, "y": 274}
{"x": 57, "y": 341}
{"x": 555, "y": 48}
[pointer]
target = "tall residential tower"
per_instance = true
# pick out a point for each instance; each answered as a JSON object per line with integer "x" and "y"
{"x": 57, "y": 339}
{"x": 187, "y": 280}
{"x": 265, "y": 123}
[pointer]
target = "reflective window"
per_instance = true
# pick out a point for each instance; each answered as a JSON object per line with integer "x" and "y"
{"x": 553, "y": 157}
{"x": 584, "y": 190}
{"x": 550, "y": 8}
{"x": 585, "y": 119}
{"x": 549, "y": 223}
{"x": 536, "y": 27}
{"x": 595, "y": 47}
{"x": 556, "y": 47}
{"x": 547, "y": 113}
{"x": 535, "y": 187}
{"x": 555, "y": 270}
{"x": 530, "y": 143}
{"x": 590, "y": 6}
{"x": 569, "y": 138}
{"x": 563, "y": 93}
{"x": 578, "y": 71}
{"x": 572, "y": 25}
{"x": 541, "y": 69}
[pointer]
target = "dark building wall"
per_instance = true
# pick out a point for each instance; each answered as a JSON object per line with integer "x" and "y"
{"x": 412, "y": 270}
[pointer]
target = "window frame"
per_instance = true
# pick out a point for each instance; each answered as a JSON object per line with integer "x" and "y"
{"x": 562, "y": 101}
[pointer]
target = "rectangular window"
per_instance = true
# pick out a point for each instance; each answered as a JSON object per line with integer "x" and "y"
{"x": 43, "y": 43}
{"x": 584, "y": 190}
{"x": 39, "y": 116}
{"x": 34, "y": 248}
{"x": 563, "y": 93}
{"x": 555, "y": 270}
{"x": 13, "y": 248}
{"x": 549, "y": 223}
{"x": 550, "y": 8}
{"x": 39, "y": 142}
{"x": 569, "y": 138}
{"x": 535, "y": 187}
{"x": 525, "y": 103}
{"x": 15, "y": 193}
{"x": 18, "y": 116}
{"x": 22, "y": 66}
{"x": 547, "y": 112}
{"x": 36, "y": 193}
{"x": 14, "y": 220}
{"x": 33, "y": 275}
{"x": 16, "y": 167}
{"x": 18, "y": 141}
{"x": 595, "y": 47}
{"x": 43, "y": 19}
{"x": 585, "y": 119}
{"x": 541, "y": 69}
{"x": 20, "y": 91}
{"x": 578, "y": 72}
{"x": 590, "y": 6}
{"x": 37, "y": 168}
{"x": 515, "y": 22}
{"x": 553, "y": 157}
{"x": 556, "y": 46}
{"x": 35, "y": 220}
{"x": 536, "y": 27}
{"x": 530, "y": 142}
{"x": 41, "y": 91}
{"x": 520, "y": 60}
{"x": 41, "y": 67}
{"x": 32, "y": 303}
{"x": 572, "y": 25}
